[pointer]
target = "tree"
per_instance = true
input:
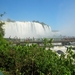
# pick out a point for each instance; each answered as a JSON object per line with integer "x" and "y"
{"x": 9, "y": 20}
{"x": 1, "y": 29}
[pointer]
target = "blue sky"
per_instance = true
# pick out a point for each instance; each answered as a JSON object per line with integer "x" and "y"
{"x": 59, "y": 14}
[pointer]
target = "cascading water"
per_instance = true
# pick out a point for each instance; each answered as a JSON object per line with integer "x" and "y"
{"x": 26, "y": 30}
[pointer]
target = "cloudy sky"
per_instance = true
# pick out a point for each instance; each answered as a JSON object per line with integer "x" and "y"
{"x": 59, "y": 14}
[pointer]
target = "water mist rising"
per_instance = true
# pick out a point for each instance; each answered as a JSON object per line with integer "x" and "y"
{"x": 26, "y": 30}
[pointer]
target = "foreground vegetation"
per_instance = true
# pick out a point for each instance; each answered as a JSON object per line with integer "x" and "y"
{"x": 34, "y": 60}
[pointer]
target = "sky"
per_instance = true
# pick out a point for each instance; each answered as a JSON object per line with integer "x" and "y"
{"x": 59, "y": 14}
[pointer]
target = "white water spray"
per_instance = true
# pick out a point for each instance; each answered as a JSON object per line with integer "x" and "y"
{"x": 26, "y": 30}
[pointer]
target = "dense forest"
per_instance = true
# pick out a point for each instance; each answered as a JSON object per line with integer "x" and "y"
{"x": 34, "y": 60}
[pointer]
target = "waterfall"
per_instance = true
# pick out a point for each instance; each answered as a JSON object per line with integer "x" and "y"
{"x": 26, "y": 29}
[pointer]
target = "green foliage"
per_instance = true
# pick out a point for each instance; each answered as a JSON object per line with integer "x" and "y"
{"x": 9, "y": 20}
{"x": 1, "y": 30}
{"x": 34, "y": 60}
{"x": 39, "y": 22}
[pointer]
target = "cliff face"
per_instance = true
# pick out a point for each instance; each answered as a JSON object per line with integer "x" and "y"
{"x": 26, "y": 30}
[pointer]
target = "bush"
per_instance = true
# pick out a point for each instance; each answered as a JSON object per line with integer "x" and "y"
{"x": 34, "y": 60}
